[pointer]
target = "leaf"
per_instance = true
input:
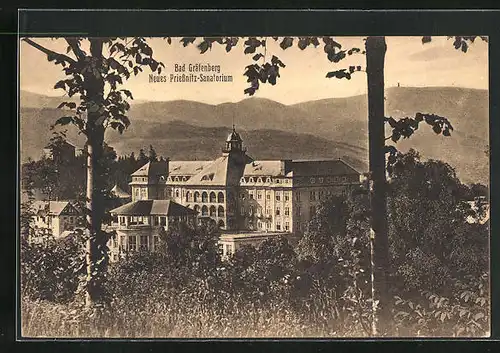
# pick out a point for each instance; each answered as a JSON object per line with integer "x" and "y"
{"x": 443, "y": 316}
{"x": 257, "y": 56}
{"x": 65, "y": 120}
{"x": 478, "y": 316}
{"x": 287, "y": 42}
{"x": 60, "y": 84}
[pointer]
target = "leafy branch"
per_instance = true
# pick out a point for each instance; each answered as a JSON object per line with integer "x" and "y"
{"x": 405, "y": 127}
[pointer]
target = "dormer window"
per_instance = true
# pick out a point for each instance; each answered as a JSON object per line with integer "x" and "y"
{"x": 259, "y": 180}
{"x": 251, "y": 180}
{"x": 268, "y": 180}
{"x": 242, "y": 180}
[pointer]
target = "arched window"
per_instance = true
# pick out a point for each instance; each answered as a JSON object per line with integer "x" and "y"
{"x": 188, "y": 196}
{"x": 213, "y": 199}
{"x": 204, "y": 197}
{"x": 196, "y": 196}
{"x": 213, "y": 211}
{"x": 221, "y": 224}
{"x": 220, "y": 211}
{"x": 204, "y": 211}
{"x": 220, "y": 197}
{"x": 197, "y": 208}
{"x": 177, "y": 193}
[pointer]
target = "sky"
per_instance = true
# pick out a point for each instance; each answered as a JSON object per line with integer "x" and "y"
{"x": 408, "y": 62}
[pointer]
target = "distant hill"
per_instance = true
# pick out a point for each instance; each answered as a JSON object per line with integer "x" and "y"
{"x": 335, "y": 127}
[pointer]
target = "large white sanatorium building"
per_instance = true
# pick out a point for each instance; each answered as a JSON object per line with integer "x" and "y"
{"x": 247, "y": 198}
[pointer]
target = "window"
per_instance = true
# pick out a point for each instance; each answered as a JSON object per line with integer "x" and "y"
{"x": 259, "y": 180}
{"x": 136, "y": 192}
{"x": 278, "y": 226}
{"x": 268, "y": 211}
{"x": 278, "y": 211}
{"x": 242, "y": 196}
{"x": 122, "y": 243}
{"x": 344, "y": 179}
{"x": 163, "y": 221}
{"x": 278, "y": 181}
{"x": 298, "y": 211}
{"x": 176, "y": 192}
{"x": 242, "y": 211}
{"x": 188, "y": 196}
{"x": 212, "y": 211}
{"x": 268, "y": 196}
{"x": 204, "y": 211}
{"x": 132, "y": 243}
{"x": 268, "y": 180}
{"x": 196, "y": 196}
{"x": 297, "y": 196}
{"x": 251, "y": 180}
{"x": 251, "y": 210}
{"x": 144, "y": 193}
{"x": 213, "y": 198}
{"x": 143, "y": 243}
{"x": 220, "y": 197}
{"x": 320, "y": 180}
{"x": 287, "y": 196}
{"x": 312, "y": 180}
{"x": 251, "y": 196}
{"x": 220, "y": 211}
{"x": 278, "y": 196}
{"x": 297, "y": 225}
{"x": 312, "y": 196}
{"x": 287, "y": 211}
{"x": 259, "y": 224}
{"x": 287, "y": 226}
{"x": 204, "y": 197}
{"x": 321, "y": 195}
{"x": 156, "y": 221}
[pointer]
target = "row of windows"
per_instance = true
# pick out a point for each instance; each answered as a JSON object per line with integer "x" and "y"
{"x": 134, "y": 242}
{"x": 212, "y": 211}
{"x": 251, "y": 195}
{"x": 267, "y": 180}
{"x": 268, "y": 211}
{"x": 278, "y": 225}
{"x": 333, "y": 179}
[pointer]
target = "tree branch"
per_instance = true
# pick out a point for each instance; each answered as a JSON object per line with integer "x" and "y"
{"x": 73, "y": 43}
{"x": 48, "y": 51}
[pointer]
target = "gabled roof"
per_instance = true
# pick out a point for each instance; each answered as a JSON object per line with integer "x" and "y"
{"x": 118, "y": 192}
{"x": 54, "y": 208}
{"x": 321, "y": 167}
{"x": 212, "y": 174}
{"x": 263, "y": 168}
{"x": 152, "y": 169}
{"x": 187, "y": 167}
{"x": 153, "y": 207}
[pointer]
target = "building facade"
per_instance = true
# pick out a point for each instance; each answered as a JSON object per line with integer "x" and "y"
{"x": 243, "y": 194}
{"x": 56, "y": 217}
{"x": 138, "y": 224}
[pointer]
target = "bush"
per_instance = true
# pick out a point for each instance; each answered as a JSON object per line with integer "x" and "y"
{"x": 52, "y": 270}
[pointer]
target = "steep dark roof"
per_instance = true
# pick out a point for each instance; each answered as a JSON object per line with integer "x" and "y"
{"x": 153, "y": 207}
{"x": 152, "y": 169}
{"x": 118, "y": 192}
{"x": 321, "y": 167}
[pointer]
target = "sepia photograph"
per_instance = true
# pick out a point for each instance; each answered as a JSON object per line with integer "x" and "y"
{"x": 254, "y": 187}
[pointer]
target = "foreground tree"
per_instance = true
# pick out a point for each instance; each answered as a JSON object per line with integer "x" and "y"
{"x": 95, "y": 71}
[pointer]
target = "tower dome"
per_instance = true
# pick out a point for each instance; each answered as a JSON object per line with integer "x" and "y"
{"x": 234, "y": 143}
{"x": 234, "y": 136}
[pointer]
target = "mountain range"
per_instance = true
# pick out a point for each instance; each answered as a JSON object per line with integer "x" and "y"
{"x": 327, "y": 128}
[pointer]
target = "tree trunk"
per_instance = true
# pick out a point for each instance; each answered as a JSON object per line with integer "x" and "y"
{"x": 375, "y": 55}
{"x": 97, "y": 256}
